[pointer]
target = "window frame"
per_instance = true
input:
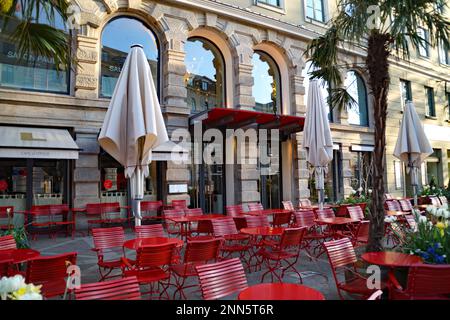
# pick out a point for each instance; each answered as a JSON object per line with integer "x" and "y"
{"x": 159, "y": 79}
{"x": 408, "y": 92}
{"x": 430, "y": 102}
{"x": 366, "y": 100}
{"x": 323, "y": 9}
{"x": 444, "y": 54}
{"x": 425, "y": 45}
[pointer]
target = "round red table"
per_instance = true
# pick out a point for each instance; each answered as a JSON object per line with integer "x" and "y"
{"x": 263, "y": 231}
{"x": 134, "y": 244}
{"x": 280, "y": 291}
{"x": 19, "y": 255}
{"x": 391, "y": 259}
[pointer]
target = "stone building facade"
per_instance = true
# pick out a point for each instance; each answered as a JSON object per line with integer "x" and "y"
{"x": 279, "y": 29}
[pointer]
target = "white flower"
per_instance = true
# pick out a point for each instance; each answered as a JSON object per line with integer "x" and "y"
{"x": 30, "y": 296}
{"x": 423, "y": 219}
{"x": 11, "y": 284}
{"x": 439, "y": 213}
{"x": 360, "y": 189}
{"x": 369, "y": 191}
{"x": 446, "y": 214}
{"x": 353, "y": 191}
{"x": 433, "y": 211}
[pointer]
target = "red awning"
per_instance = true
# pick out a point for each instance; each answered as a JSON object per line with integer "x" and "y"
{"x": 236, "y": 118}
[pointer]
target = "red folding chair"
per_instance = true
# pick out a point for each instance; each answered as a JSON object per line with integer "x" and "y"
{"x": 327, "y": 213}
{"x": 6, "y": 268}
{"x": 221, "y": 279}
{"x": 411, "y": 222}
{"x": 121, "y": 289}
{"x": 304, "y": 203}
{"x": 255, "y": 206}
{"x": 392, "y": 205}
{"x": 405, "y": 205}
{"x": 197, "y": 252}
{"x": 235, "y": 210}
{"x": 152, "y": 266}
{"x": 314, "y": 237}
{"x": 172, "y": 227}
{"x": 282, "y": 219}
{"x": 200, "y": 227}
{"x": 356, "y": 213}
{"x": 7, "y": 242}
{"x": 51, "y": 273}
{"x": 179, "y": 204}
{"x": 150, "y": 210}
{"x": 108, "y": 241}
{"x": 287, "y": 205}
{"x": 150, "y": 231}
{"x": 424, "y": 282}
{"x": 361, "y": 236}
{"x": 342, "y": 257}
{"x": 284, "y": 256}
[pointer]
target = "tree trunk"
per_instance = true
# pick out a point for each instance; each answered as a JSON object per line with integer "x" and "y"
{"x": 378, "y": 67}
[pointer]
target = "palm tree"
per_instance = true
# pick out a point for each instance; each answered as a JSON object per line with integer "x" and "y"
{"x": 35, "y": 31}
{"x": 387, "y": 29}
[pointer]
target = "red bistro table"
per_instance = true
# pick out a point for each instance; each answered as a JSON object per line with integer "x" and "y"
{"x": 391, "y": 259}
{"x": 19, "y": 255}
{"x": 280, "y": 291}
{"x": 334, "y": 223}
{"x": 266, "y": 212}
{"x": 186, "y": 220}
{"x": 263, "y": 231}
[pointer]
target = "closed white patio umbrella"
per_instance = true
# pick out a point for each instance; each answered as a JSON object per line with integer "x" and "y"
{"x": 317, "y": 137}
{"x": 412, "y": 145}
{"x": 134, "y": 124}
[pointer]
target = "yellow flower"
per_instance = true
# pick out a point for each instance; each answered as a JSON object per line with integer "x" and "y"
{"x": 5, "y": 5}
{"x": 440, "y": 225}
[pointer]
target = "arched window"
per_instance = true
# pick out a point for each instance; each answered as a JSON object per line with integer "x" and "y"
{"x": 204, "y": 77}
{"x": 266, "y": 83}
{"x": 325, "y": 88}
{"x": 357, "y": 114}
{"x": 117, "y": 38}
{"x": 30, "y": 72}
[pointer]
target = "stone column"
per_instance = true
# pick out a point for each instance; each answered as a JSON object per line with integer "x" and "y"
{"x": 346, "y": 169}
{"x": 86, "y": 75}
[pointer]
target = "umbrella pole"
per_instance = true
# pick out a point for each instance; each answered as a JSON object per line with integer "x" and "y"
{"x": 321, "y": 197}
{"x": 413, "y": 175}
{"x": 138, "y": 194}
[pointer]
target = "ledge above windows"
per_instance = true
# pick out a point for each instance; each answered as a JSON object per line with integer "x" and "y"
{"x": 272, "y": 5}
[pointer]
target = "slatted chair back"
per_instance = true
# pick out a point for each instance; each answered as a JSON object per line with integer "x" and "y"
{"x": 257, "y": 221}
{"x": 108, "y": 238}
{"x": 340, "y": 253}
{"x": 356, "y": 213}
{"x": 173, "y": 213}
{"x": 324, "y": 213}
{"x": 5, "y": 267}
{"x": 223, "y": 227}
{"x": 202, "y": 250}
{"x": 305, "y": 218}
{"x": 292, "y": 238}
{"x": 428, "y": 280}
{"x": 255, "y": 206}
{"x": 405, "y": 205}
{"x": 362, "y": 233}
{"x": 172, "y": 227}
{"x": 411, "y": 221}
{"x": 121, "y": 289}
{"x": 435, "y": 201}
{"x": 392, "y": 205}
{"x": 150, "y": 231}
{"x": 150, "y": 208}
{"x": 443, "y": 200}
{"x": 193, "y": 212}
{"x": 41, "y": 216}
{"x": 398, "y": 232}
{"x": 6, "y": 217}
{"x": 51, "y": 272}
{"x": 59, "y": 212}
{"x": 304, "y": 203}
{"x": 235, "y": 210}
{"x": 282, "y": 219}
{"x": 107, "y": 210}
{"x": 155, "y": 256}
{"x": 179, "y": 204}
{"x": 7, "y": 242}
{"x": 287, "y": 205}
{"x": 218, "y": 280}
{"x": 388, "y": 196}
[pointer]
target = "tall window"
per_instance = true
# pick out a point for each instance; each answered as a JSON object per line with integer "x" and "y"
{"x": 431, "y": 110}
{"x": 444, "y": 56}
{"x": 30, "y": 72}
{"x": 325, "y": 89}
{"x": 266, "y": 83}
{"x": 275, "y": 3}
{"x": 424, "y": 49}
{"x": 447, "y": 96}
{"x": 405, "y": 92}
{"x": 204, "y": 78}
{"x": 358, "y": 114}
{"x": 315, "y": 10}
{"x": 117, "y": 38}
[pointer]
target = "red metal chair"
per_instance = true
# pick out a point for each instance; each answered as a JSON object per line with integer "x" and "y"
{"x": 342, "y": 211}
{"x": 287, "y": 205}
{"x": 388, "y": 196}
{"x": 7, "y": 242}
{"x": 197, "y": 252}
{"x": 235, "y": 242}
{"x": 51, "y": 273}
{"x": 107, "y": 213}
{"x": 257, "y": 221}
{"x": 282, "y": 219}
{"x": 221, "y": 279}
{"x": 172, "y": 227}
{"x": 342, "y": 257}
{"x": 324, "y": 213}
{"x": 284, "y": 255}
{"x": 152, "y": 266}
{"x": 361, "y": 235}
{"x": 405, "y": 205}
{"x": 411, "y": 222}
{"x": 121, "y": 289}
{"x": 356, "y": 213}
{"x": 150, "y": 231}
{"x": 6, "y": 217}
{"x": 392, "y": 205}
{"x": 108, "y": 241}
{"x": 203, "y": 226}
{"x": 255, "y": 206}
{"x": 314, "y": 237}
{"x": 424, "y": 282}
{"x": 304, "y": 203}
{"x": 235, "y": 210}
{"x": 6, "y": 268}
{"x": 150, "y": 210}
{"x": 179, "y": 204}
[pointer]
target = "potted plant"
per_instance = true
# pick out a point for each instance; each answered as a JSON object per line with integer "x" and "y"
{"x": 19, "y": 233}
{"x": 15, "y": 288}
